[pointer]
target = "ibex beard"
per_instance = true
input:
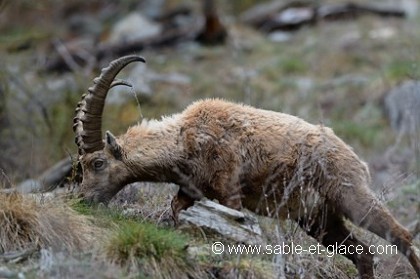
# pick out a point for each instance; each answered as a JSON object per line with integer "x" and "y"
{"x": 271, "y": 163}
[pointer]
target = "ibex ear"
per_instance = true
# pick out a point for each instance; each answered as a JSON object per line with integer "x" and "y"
{"x": 112, "y": 145}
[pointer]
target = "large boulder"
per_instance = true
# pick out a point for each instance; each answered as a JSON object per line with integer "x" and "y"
{"x": 402, "y": 105}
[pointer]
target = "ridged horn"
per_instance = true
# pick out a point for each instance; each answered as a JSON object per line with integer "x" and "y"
{"x": 87, "y": 123}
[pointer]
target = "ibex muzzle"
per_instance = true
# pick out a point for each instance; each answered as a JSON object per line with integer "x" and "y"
{"x": 272, "y": 163}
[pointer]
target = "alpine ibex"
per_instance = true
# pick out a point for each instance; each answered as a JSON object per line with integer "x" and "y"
{"x": 272, "y": 163}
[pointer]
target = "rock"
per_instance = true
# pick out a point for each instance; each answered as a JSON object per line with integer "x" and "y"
{"x": 84, "y": 24}
{"x": 279, "y": 36}
{"x": 258, "y": 14}
{"x": 414, "y": 228}
{"x": 6, "y": 273}
{"x": 152, "y": 8}
{"x": 391, "y": 168}
{"x": 30, "y": 87}
{"x": 402, "y": 108}
{"x": 134, "y": 27}
{"x": 304, "y": 85}
{"x": 383, "y": 33}
{"x": 347, "y": 80}
{"x": 294, "y": 16}
{"x": 411, "y": 7}
{"x": 230, "y": 223}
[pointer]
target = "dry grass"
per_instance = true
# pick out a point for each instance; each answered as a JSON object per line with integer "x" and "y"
{"x": 25, "y": 222}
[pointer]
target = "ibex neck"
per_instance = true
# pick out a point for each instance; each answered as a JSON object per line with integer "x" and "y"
{"x": 152, "y": 149}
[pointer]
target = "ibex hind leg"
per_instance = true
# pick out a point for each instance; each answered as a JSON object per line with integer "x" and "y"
{"x": 363, "y": 209}
{"x": 329, "y": 229}
{"x": 180, "y": 202}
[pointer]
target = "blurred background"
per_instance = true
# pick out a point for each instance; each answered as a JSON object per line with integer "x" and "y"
{"x": 350, "y": 66}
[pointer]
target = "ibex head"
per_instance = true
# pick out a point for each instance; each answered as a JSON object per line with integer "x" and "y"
{"x": 100, "y": 159}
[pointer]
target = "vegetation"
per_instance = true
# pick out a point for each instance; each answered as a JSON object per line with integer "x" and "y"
{"x": 26, "y": 223}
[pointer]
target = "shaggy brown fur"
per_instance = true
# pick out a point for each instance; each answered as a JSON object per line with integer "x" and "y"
{"x": 272, "y": 163}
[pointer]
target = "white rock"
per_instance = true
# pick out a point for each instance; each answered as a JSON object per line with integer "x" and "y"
{"x": 401, "y": 105}
{"x": 230, "y": 223}
{"x": 6, "y": 273}
{"x": 411, "y": 7}
{"x": 134, "y": 27}
{"x": 279, "y": 36}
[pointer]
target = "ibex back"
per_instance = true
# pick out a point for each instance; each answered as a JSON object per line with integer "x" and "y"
{"x": 272, "y": 163}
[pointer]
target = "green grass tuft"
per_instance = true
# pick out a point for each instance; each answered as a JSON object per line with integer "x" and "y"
{"x": 81, "y": 207}
{"x": 401, "y": 69}
{"x": 142, "y": 241}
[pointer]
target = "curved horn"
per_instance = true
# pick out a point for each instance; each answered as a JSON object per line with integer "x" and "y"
{"x": 88, "y": 120}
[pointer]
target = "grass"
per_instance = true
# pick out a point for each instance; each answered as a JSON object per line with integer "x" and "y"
{"x": 362, "y": 135}
{"x": 25, "y": 223}
{"x": 86, "y": 238}
{"x": 138, "y": 247}
{"x": 398, "y": 70}
{"x": 138, "y": 241}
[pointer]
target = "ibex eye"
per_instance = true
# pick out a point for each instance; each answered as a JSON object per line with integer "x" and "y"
{"x": 98, "y": 164}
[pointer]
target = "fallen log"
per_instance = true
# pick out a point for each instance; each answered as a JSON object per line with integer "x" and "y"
{"x": 48, "y": 181}
{"x": 352, "y": 10}
{"x": 277, "y": 15}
